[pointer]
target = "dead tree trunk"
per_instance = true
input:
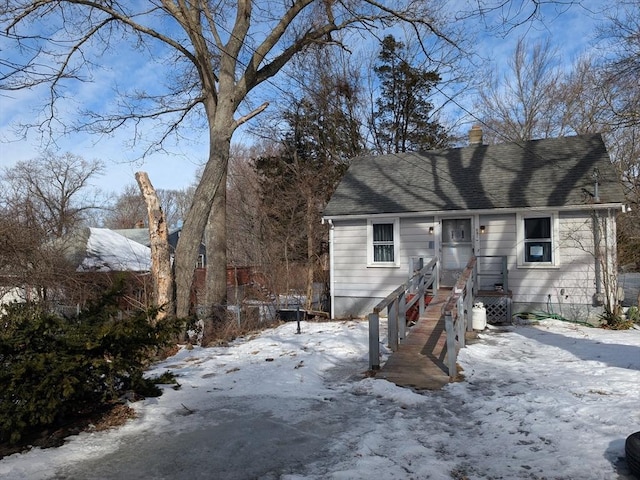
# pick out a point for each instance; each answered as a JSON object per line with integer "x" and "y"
{"x": 161, "y": 274}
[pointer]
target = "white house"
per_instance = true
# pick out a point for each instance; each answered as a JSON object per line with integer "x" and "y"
{"x": 541, "y": 205}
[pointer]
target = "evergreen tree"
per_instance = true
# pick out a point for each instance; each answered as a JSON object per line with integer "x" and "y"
{"x": 402, "y": 120}
{"x": 321, "y": 135}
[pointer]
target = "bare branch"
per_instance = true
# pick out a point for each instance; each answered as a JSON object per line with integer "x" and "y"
{"x": 252, "y": 114}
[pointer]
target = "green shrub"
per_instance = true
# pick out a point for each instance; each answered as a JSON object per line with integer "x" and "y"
{"x": 633, "y": 314}
{"x": 52, "y": 368}
{"x": 167, "y": 378}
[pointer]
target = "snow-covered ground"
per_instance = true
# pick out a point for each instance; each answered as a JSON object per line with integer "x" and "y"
{"x": 550, "y": 401}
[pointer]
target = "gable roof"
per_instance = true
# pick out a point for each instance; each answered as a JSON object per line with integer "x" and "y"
{"x": 538, "y": 173}
{"x": 103, "y": 250}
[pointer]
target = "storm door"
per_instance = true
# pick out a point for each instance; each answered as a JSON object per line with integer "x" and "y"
{"x": 456, "y": 249}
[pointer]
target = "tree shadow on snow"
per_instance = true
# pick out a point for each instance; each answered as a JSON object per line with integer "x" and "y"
{"x": 614, "y": 355}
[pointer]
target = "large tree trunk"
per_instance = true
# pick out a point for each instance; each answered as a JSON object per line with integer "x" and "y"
{"x": 216, "y": 278}
{"x": 161, "y": 275}
{"x": 193, "y": 229}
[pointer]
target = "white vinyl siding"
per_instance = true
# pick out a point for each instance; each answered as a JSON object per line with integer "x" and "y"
{"x": 499, "y": 237}
{"x": 570, "y": 282}
{"x": 357, "y": 288}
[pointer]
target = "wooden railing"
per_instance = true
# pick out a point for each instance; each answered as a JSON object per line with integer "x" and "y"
{"x": 457, "y": 313}
{"x": 397, "y": 304}
{"x": 493, "y": 267}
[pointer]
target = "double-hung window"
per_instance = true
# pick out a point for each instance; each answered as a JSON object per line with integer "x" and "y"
{"x": 538, "y": 239}
{"x": 383, "y": 242}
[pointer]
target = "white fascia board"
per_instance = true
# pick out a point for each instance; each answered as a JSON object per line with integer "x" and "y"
{"x": 489, "y": 211}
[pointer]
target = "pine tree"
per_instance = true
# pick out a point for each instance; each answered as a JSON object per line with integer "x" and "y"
{"x": 403, "y": 119}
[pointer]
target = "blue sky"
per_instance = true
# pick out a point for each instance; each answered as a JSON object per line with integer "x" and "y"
{"x": 570, "y": 30}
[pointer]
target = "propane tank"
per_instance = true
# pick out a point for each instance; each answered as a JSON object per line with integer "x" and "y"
{"x": 478, "y": 316}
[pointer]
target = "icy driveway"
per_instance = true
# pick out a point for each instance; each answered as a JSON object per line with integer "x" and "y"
{"x": 235, "y": 440}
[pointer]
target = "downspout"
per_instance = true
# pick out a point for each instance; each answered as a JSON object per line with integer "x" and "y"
{"x": 606, "y": 265}
{"x": 597, "y": 254}
{"x": 612, "y": 260}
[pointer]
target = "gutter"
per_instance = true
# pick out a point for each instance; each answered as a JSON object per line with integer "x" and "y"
{"x": 488, "y": 211}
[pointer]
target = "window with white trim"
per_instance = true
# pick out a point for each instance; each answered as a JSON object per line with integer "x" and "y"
{"x": 383, "y": 242}
{"x": 537, "y": 240}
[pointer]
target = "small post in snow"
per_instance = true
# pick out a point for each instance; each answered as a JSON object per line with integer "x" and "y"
{"x": 298, "y": 319}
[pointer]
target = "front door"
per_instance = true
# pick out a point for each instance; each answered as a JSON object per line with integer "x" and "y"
{"x": 456, "y": 249}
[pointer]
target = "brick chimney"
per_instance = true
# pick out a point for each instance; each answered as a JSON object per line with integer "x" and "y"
{"x": 475, "y": 135}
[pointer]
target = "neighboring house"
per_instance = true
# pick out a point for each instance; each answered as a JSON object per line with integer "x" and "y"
{"x": 97, "y": 255}
{"x": 236, "y": 276}
{"x": 141, "y": 235}
{"x": 104, "y": 250}
{"x": 542, "y": 205}
{"x": 101, "y": 255}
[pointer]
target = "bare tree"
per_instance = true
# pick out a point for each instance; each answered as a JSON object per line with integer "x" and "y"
{"x": 583, "y": 99}
{"x": 519, "y": 105}
{"x": 243, "y": 208}
{"x": 318, "y": 133}
{"x": 219, "y": 53}
{"x": 53, "y": 191}
{"x": 622, "y": 69}
{"x": 619, "y": 73}
{"x": 32, "y": 268}
{"x": 175, "y": 204}
{"x": 129, "y": 210}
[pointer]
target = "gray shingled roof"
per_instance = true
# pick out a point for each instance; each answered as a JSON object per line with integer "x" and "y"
{"x": 140, "y": 235}
{"x": 539, "y": 173}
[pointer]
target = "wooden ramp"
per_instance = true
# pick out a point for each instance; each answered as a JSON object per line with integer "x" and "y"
{"x": 420, "y": 361}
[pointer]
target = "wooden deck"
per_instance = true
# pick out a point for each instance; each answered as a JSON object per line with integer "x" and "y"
{"x": 420, "y": 361}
